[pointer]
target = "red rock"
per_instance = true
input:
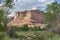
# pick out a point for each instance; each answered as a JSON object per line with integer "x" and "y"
{"x": 29, "y": 17}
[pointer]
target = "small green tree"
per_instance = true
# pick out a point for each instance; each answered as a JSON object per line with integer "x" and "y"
{"x": 9, "y": 3}
{"x": 51, "y": 14}
{"x": 4, "y": 11}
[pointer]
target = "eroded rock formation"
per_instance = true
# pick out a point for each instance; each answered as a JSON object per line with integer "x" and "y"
{"x": 30, "y": 17}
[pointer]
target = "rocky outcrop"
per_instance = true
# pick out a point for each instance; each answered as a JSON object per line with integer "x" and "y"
{"x": 30, "y": 17}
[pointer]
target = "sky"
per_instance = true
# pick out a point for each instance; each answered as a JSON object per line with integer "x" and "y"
{"x": 58, "y": 1}
{"x": 21, "y": 5}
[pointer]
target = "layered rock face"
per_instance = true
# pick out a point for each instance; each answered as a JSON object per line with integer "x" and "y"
{"x": 30, "y": 17}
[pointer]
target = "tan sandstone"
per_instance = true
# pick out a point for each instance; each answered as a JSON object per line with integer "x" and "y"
{"x": 30, "y": 17}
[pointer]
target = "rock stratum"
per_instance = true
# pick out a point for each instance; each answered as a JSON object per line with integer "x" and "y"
{"x": 30, "y": 17}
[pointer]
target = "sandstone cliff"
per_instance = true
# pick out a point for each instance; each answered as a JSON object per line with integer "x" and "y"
{"x": 30, "y": 17}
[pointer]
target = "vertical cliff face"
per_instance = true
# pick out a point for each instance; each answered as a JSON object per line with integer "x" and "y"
{"x": 19, "y": 15}
{"x": 29, "y": 17}
{"x": 37, "y": 15}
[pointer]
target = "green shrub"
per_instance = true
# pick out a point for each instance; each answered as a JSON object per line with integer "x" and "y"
{"x": 34, "y": 28}
{"x": 11, "y": 32}
{"x": 3, "y": 35}
{"x": 25, "y": 28}
{"x": 43, "y": 35}
{"x": 16, "y": 28}
{"x": 3, "y": 28}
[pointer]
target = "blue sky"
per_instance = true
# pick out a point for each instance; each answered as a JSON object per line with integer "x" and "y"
{"x": 58, "y": 1}
{"x": 21, "y": 5}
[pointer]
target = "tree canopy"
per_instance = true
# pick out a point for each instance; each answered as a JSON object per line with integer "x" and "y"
{"x": 52, "y": 11}
{"x": 4, "y": 11}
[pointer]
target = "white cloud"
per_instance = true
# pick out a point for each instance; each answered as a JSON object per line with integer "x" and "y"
{"x": 42, "y": 0}
{"x": 28, "y": 4}
{"x": 21, "y": 5}
{"x": 46, "y": 2}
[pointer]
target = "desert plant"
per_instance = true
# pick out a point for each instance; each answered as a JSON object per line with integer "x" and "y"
{"x": 11, "y": 32}
{"x": 25, "y": 28}
{"x": 3, "y": 35}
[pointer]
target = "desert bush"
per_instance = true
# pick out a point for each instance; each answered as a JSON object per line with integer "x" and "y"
{"x": 39, "y": 35}
{"x": 11, "y": 32}
{"x": 48, "y": 26}
{"x": 16, "y": 28}
{"x": 34, "y": 28}
{"x": 3, "y": 28}
{"x": 3, "y": 35}
{"x": 43, "y": 35}
{"x": 25, "y": 28}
